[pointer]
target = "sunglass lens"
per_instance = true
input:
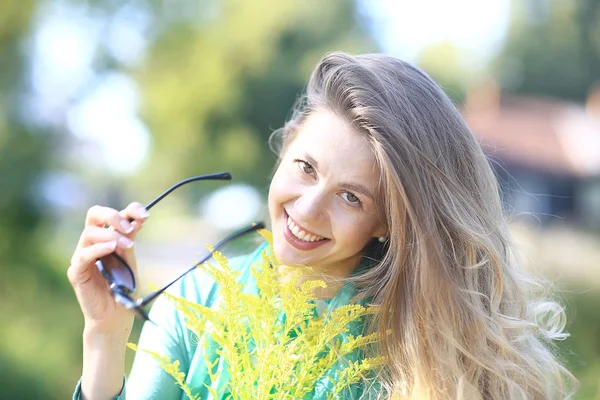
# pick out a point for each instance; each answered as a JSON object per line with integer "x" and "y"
{"x": 117, "y": 272}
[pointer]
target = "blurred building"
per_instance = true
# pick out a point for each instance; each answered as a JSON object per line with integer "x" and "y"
{"x": 546, "y": 152}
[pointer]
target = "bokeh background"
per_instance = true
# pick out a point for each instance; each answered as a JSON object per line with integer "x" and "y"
{"x": 110, "y": 101}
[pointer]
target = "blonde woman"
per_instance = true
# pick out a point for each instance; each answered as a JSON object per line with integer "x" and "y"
{"x": 382, "y": 189}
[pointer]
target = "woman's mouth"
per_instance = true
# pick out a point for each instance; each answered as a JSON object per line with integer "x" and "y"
{"x": 299, "y": 237}
{"x": 300, "y": 233}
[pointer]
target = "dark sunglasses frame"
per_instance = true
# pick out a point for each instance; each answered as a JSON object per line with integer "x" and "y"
{"x": 120, "y": 276}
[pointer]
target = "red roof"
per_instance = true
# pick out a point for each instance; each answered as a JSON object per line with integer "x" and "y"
{"x": 539, "y": 133}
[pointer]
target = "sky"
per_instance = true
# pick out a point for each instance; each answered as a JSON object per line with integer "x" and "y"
{"x": 103, "y": 111}
{"x": 405, "y": 27}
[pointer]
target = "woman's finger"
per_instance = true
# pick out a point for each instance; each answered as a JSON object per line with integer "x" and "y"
{"x": 94, "y": 234}
{"x": 106, "y": 216}
{"x": 136, "y": 211}
{"x": 85, "y": 258}
{"x": 137, "y": 214}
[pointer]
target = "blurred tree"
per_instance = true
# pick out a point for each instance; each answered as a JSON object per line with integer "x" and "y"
{"x": 553, "y": 48}
{"x": 442, "y": 61}
{"x": 25, "y": 279}
{"x": 21, "y": 152}
{"x": 214, "y": 91}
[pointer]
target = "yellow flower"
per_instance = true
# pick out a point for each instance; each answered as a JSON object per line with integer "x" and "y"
{"x": 274, "y": 344}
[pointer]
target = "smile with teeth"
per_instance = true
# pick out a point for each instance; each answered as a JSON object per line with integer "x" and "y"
{"x": 300, "y": 234}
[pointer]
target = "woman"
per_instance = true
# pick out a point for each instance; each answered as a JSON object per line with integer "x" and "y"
{"x": 376, "y": 153}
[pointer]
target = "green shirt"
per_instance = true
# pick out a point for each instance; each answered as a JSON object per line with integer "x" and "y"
{"x": 170, "y": 337}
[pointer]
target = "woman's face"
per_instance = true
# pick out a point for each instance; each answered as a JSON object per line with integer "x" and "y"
{"x": 322, "y": 197}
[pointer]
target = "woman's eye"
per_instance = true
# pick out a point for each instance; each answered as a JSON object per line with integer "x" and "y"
{"x": 305, "y": 167}
{"x": 351, "y": 198}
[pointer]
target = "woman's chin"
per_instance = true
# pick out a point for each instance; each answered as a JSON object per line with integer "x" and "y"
{"x": 284, "y": 256}
{"x": 289, "y": 256}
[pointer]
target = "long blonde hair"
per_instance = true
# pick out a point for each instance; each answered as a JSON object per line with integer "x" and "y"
{"x": 463, "y": 319}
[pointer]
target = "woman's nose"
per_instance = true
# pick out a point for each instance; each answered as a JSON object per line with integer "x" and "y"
{"x": 311, "y": 205}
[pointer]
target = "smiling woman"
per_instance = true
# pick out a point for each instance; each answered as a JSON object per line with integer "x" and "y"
{"x": 383, "y": 191}
{"x": 322, "y": 191}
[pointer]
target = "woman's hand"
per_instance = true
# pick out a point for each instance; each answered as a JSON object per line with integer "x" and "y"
{"x": 107, "y": 324}
{"x": 100, "y": 311}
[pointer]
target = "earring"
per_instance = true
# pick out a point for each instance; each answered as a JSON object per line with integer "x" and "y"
{"x": 382, "y": 239}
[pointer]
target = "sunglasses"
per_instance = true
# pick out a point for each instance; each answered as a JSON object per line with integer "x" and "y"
{"x": 120, "y": 276}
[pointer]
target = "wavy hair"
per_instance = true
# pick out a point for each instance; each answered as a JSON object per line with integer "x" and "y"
{"x": 459, "y": 318}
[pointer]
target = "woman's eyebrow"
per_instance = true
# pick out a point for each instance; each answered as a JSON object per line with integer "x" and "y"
{"x": 355, "y": 187}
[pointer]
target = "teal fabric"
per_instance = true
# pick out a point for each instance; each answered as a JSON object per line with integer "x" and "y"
{"x": 169, "y": 337}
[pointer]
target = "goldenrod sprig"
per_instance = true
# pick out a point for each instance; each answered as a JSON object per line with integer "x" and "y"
{"x": 171, "y": 368}
{"x": 270, "y": 339}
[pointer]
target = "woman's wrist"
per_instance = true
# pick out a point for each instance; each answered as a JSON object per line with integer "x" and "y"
{"x": 103, "y": 362}
{"x": 95, "y": 331}
{"x": 101, "y": 339}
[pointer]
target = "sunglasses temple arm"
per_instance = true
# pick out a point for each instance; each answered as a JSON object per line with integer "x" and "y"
{"x": 142, "y": 313}
{"x": 219, "y": 176}
{"x": 125, "y": 300}
{"x": 145, "y": 300}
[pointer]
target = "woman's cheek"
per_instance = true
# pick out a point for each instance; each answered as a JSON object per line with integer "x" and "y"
{"x": 283, "y": 188}
{"x": 278, "y": 180}
{"x": 353, "y": 227}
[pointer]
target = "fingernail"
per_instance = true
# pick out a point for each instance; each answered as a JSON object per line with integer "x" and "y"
{"x": 127, "y": 227}
{"x": 143, "y": 213}
{"x": 125, "y": 242}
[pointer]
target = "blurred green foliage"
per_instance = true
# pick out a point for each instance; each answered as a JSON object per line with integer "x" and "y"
{"x": 582, "y": 349}
{"x": 213, "y": 93}
{"x": 32, "y": 343}
{"x": 217, "y": 78}
{"x": 553, "y": 49}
